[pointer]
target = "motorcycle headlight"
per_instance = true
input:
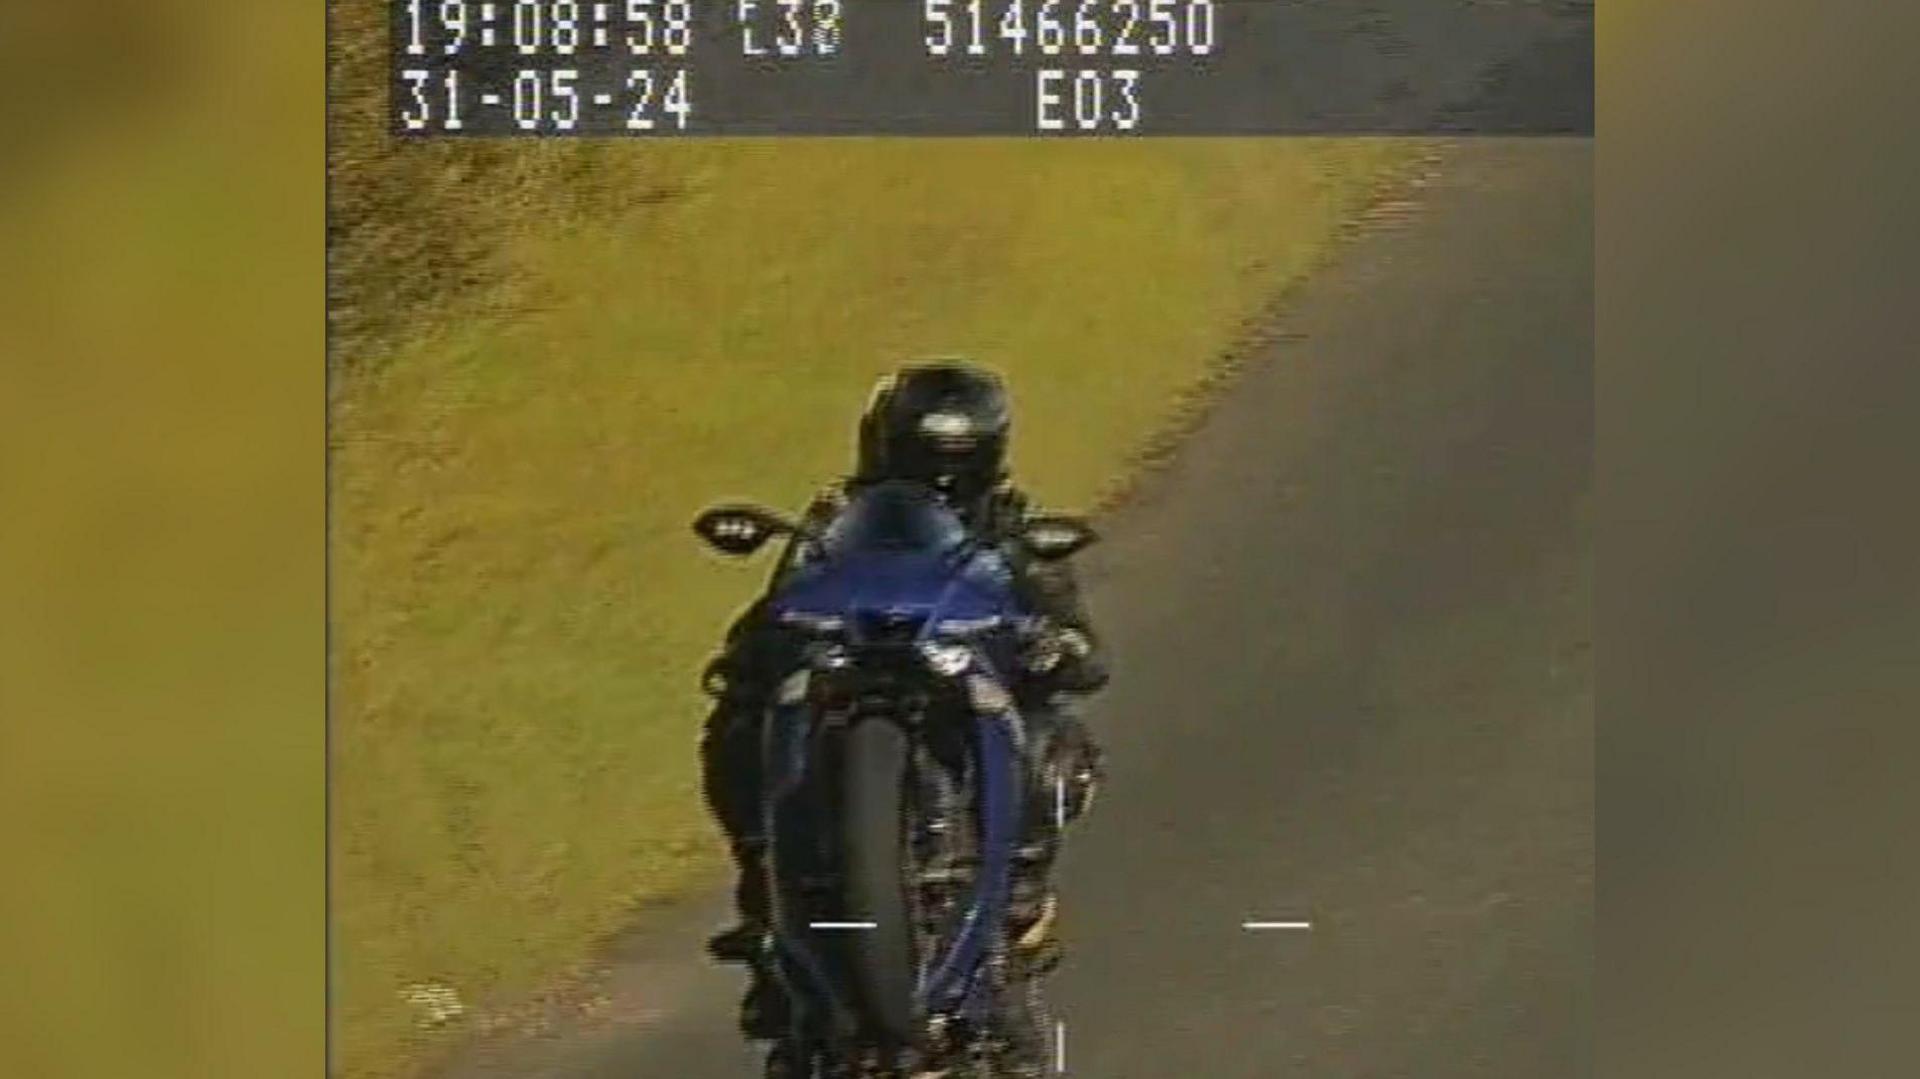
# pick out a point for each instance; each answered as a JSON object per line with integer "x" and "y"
{"x": 962, "y": 627}
{"x": 813, "y": 623}
{"x": 946, "y": 658}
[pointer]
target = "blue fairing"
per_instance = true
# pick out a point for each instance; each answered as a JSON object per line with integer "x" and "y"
{"x": 900, "y": 556}
{"x": 896, "y": 548}
{"x": 929, "y": 585}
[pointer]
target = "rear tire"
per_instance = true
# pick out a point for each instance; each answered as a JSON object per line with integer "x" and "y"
{"x": 873, "y": 833}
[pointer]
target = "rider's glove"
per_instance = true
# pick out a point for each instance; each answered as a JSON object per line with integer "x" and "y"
{"x": 1075, "y": 644}
{"x": 1064, "y": 656}
{"x": 1044, "y": 652}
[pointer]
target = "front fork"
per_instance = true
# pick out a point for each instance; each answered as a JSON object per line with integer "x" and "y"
{"x": 967, "y": 978}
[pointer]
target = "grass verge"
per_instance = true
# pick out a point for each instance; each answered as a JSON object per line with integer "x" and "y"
{"x": 518, "y": 608}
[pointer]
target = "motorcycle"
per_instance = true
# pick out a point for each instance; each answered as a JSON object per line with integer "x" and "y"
{"x": 897, "y": 805}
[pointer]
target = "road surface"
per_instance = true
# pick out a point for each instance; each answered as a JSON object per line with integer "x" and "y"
{"x": 1350, "y": 623}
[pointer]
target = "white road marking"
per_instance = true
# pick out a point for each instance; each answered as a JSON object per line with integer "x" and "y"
{"x": 843, "y": 925}
{"x": 1060, "y": 1047}
{"x": 1276, "y": 925}
{"x": 603, "y": 99}
{"x": 489, "y": 99}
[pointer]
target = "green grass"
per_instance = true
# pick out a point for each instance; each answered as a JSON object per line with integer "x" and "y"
{"x": 519, "y": 607}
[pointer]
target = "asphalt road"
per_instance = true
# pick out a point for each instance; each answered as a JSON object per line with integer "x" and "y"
{"x": 1350, "y": 625}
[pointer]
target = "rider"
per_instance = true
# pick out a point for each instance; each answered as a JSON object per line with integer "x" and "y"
{"x": 944, "y": 424}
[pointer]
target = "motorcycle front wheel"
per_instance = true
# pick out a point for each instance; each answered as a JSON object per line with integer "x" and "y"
{"x": 874, "y": 848}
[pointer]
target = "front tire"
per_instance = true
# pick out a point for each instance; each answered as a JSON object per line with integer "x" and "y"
{"x": 873, "y": 834}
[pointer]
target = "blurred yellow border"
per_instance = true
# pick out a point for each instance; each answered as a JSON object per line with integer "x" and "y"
{"x": 162, "y": 477}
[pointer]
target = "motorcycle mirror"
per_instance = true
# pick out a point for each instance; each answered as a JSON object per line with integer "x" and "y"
{"x": 739, "y": 530}
{"x": 1052, "y": 538}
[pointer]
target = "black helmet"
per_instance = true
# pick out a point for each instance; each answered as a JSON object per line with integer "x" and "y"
{"x": 940, "y": 423}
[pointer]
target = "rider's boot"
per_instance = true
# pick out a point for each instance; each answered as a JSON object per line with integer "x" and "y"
{"x": 1023, "y": 1030}
{"x": 1036, "y": 949}
{"x": 763, "y": 1010}
{"x": 784, "y": 1062}
{"x": 745, "y": 940}
{"x": 764, "y": 1014}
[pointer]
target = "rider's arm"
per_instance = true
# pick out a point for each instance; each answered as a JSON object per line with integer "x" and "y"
{"x": 1049, "y": 589}
{"x": 1052, "y": 590}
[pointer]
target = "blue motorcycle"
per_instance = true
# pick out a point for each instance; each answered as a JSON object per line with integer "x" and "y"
{"x": 896, "y": 798}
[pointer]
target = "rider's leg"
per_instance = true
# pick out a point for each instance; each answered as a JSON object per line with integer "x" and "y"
{"x": 1024, "y": 1029}
{"x": 730, "y": 770}
{"x": 1063, "y": 765}
{"x": 730, "y": 776}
